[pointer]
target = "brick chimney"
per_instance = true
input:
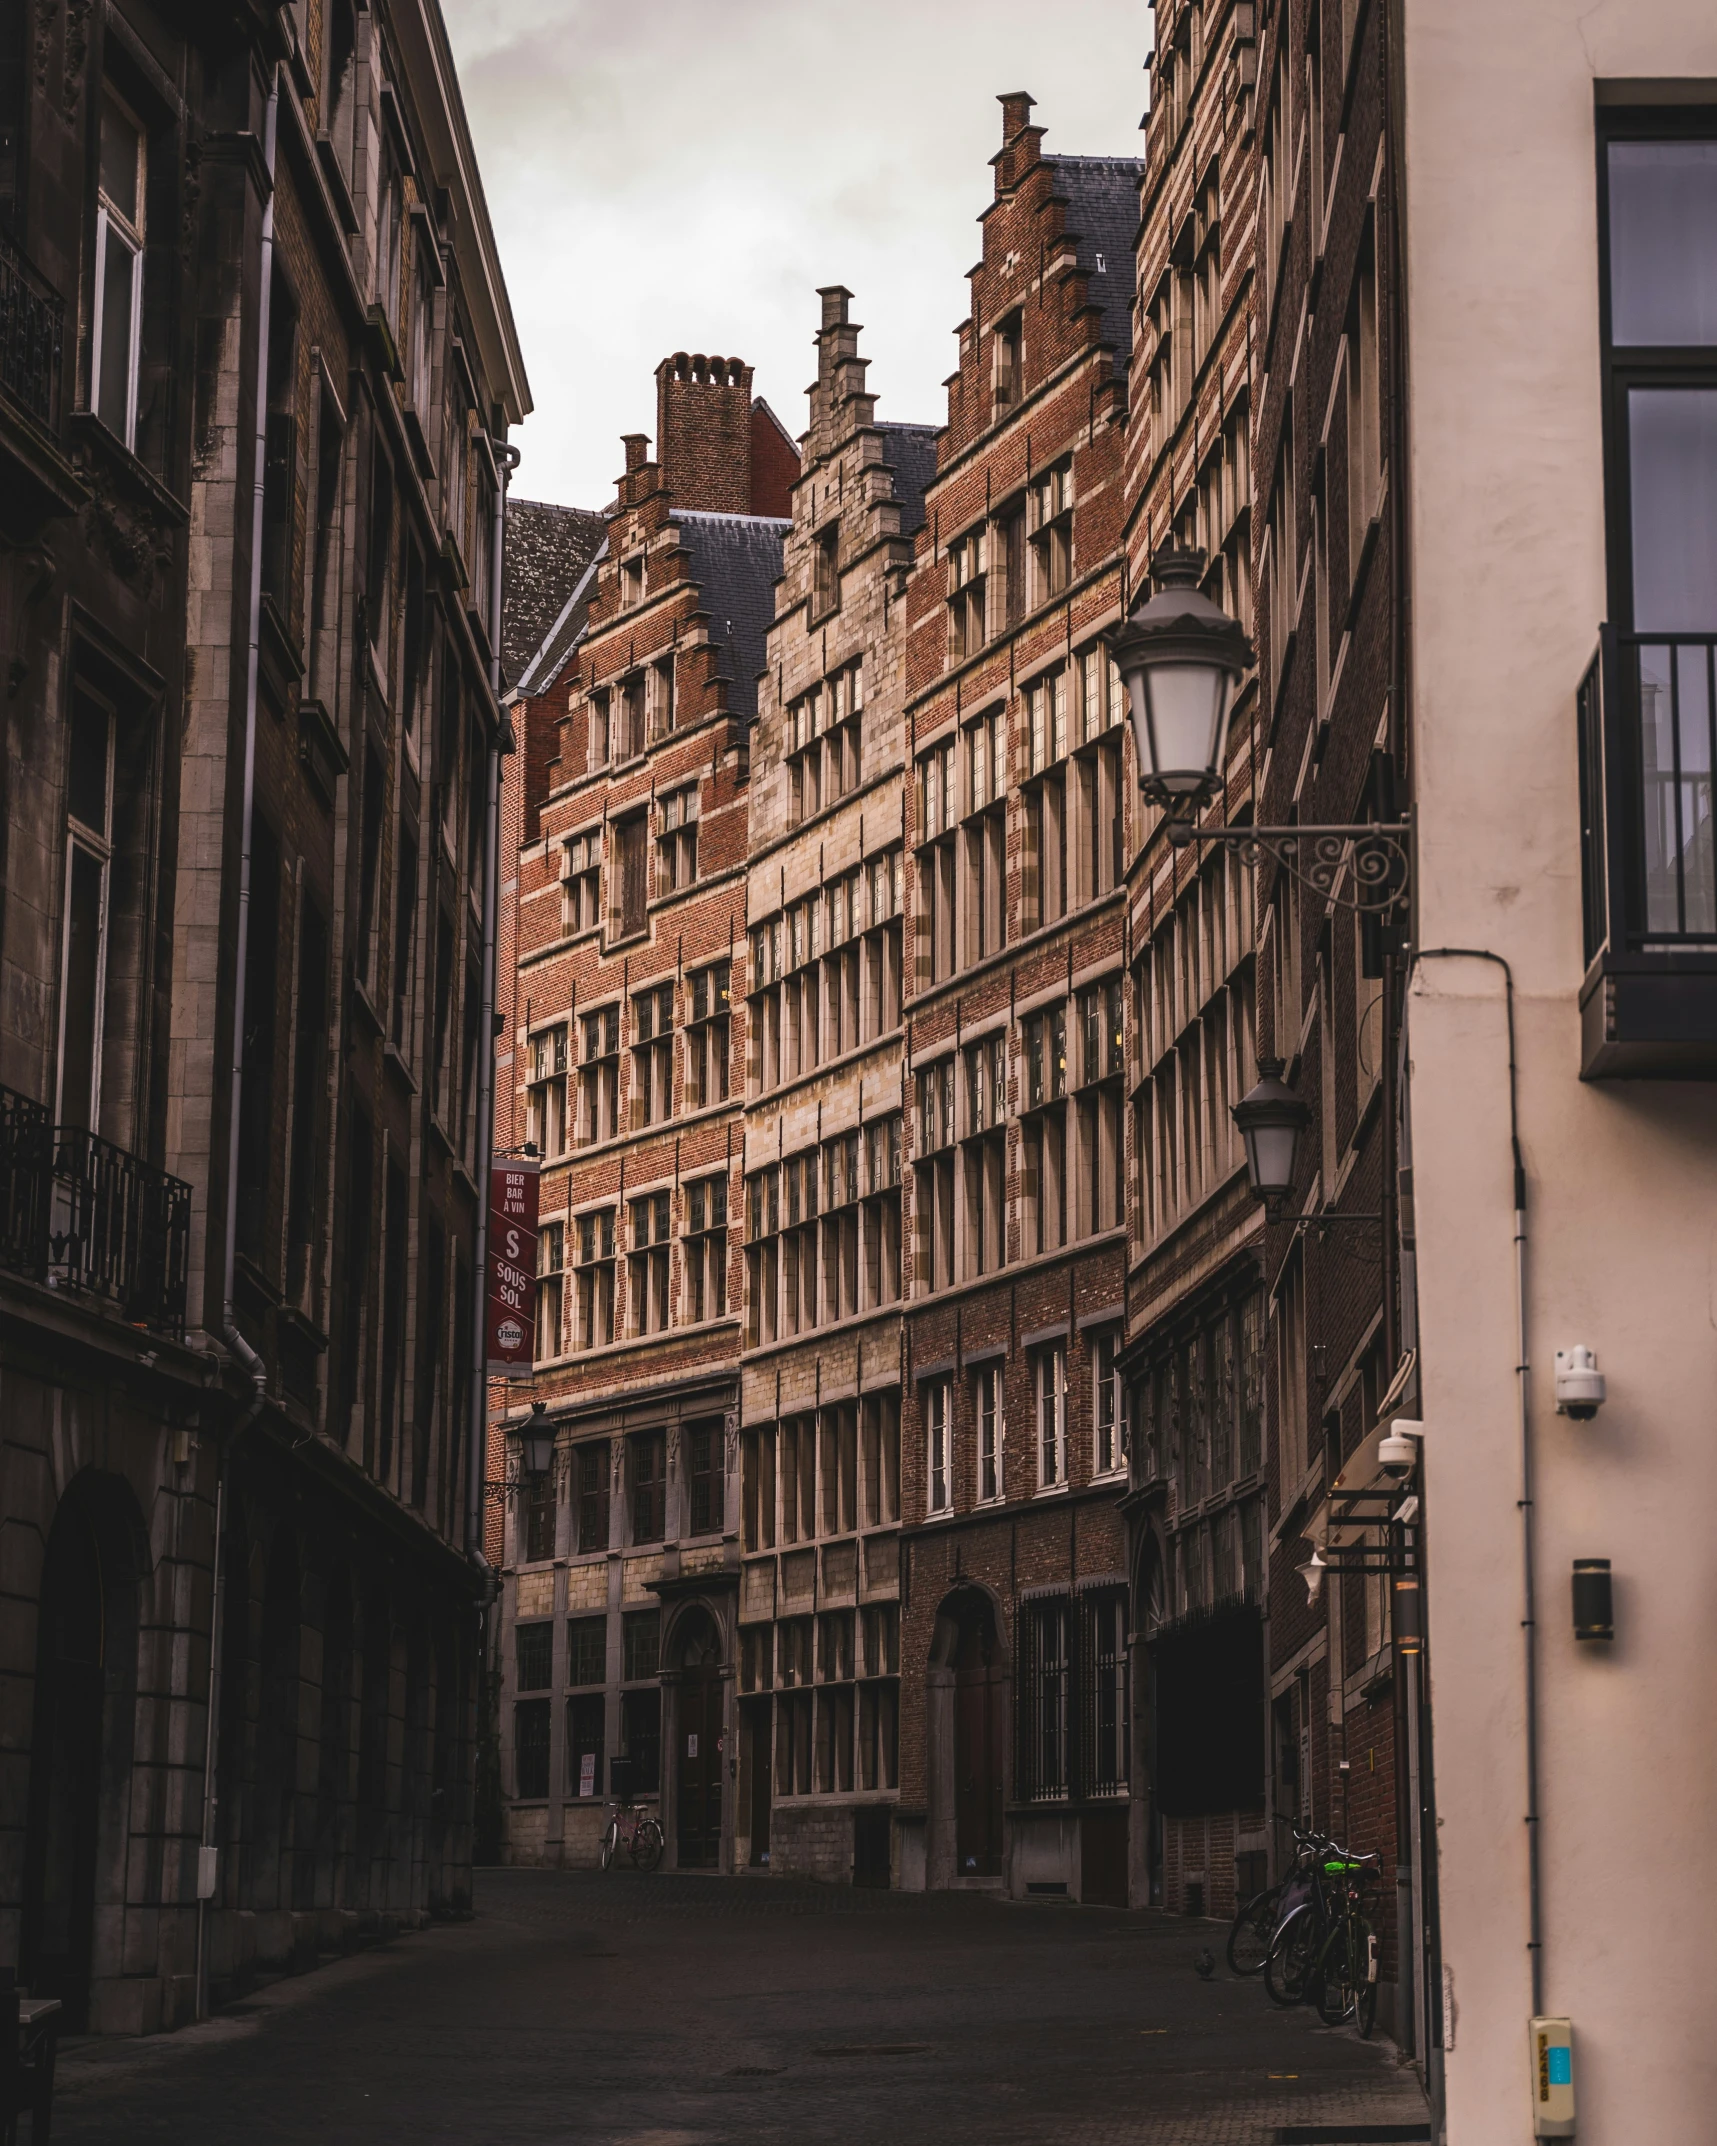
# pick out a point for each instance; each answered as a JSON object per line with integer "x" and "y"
{"x": 703, "y": 432}
{"x": 1020, "y": 140}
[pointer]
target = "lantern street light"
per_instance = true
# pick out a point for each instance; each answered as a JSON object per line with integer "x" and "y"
{"x": 1183, "y": 660}
{"x": 1271, "y": 1118}
{"x": 536, "y": 1442}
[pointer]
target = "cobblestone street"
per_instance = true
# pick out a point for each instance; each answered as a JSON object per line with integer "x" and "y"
{"x": 668, "y": 2011}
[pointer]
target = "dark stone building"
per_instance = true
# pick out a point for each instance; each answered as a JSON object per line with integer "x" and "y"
{"x": 256, "y": 379}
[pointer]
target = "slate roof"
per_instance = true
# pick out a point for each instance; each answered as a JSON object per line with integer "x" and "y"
{"x": 548, "y": 550}
{"x": 910, "y": 452}
{"x": 1102, "y": 195}
{"x": 547, "y": 662}
{"x": 736, "y": 562}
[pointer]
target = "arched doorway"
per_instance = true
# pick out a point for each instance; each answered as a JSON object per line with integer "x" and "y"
{"x": 80, "y": 1752}
{"x": 967, "y": 1647}
{"x": 699, "y": 1737}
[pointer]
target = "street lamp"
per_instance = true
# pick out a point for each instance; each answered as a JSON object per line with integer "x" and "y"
{"x": 536, "y": 1442}
{"x": 1182, "y": 659}
{"x": 1271, "y": 1118}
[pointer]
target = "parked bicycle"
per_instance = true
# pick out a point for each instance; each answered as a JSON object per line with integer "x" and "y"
{"x": 632, "y": 1830}
{"x": 1307, "y": 1916}
{"x": 1344, "y": 1981}
{"x": 1258, "y": 1919}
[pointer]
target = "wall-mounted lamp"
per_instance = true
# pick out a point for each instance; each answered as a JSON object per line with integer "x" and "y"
{"x": 1594, "y": 1611}
{"x": 1409, "y": 1615}
{"x": 1312, "y": 1572}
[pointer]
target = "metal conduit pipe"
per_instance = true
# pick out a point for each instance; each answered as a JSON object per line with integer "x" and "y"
{"x": 1528, "y": 1528}
{"x": 234, "y": 1339}
{"x": 508, "y": 458}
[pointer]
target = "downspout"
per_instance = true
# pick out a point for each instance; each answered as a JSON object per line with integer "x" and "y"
{"x": 234, "y": 1339}
{"x": 477, "y": 1469}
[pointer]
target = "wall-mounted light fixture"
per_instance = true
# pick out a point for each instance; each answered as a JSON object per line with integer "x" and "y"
{"x": 1594, "y": 1611}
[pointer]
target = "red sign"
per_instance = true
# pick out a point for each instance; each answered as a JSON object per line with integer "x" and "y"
{"x": 512, "y": 1265}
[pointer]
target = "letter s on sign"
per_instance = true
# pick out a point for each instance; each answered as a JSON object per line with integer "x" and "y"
{"x": 512, "y": 1244}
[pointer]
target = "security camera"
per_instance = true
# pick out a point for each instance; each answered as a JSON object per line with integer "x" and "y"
{"x": 1399, "y": 1451}
{"x": 1579, "y": 1384}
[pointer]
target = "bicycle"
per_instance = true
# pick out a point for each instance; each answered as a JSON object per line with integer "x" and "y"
{"x": 1305, "y": 1921}
{"x": 1344, "y": 1980}
{"x": 636, "y": 1831}
{"x": 1257, "y": 1920}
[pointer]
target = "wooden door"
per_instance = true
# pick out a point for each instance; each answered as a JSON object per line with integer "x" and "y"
{"x": 700, "y": 1766}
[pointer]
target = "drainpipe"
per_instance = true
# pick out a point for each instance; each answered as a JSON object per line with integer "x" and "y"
{"x": 234, "y": 1339}
{"x": 508, "y": 457}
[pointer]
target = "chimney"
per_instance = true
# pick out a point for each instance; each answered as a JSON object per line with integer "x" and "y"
{"x": 1016, "y": 115}
{"x": 703, "y": 432}
{"x": 637, "y": 446}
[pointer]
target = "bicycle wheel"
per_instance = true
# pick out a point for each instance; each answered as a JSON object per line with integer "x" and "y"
{"x": 1249, "y": 1939}
{"x": 1331, "y": 1985}
{"x": 610, "y": 1841}
{"x": 1292, "y": 1952}
{"x": 647, "y": 1845}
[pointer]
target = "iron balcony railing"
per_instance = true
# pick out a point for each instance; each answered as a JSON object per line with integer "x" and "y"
{"x": 32, "y": 323}
{"x": 78, "y": 1213}
{"x": 1647, "y": 713}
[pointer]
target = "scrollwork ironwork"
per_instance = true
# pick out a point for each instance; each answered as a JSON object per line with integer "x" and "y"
{"x": 1362, "y": 868}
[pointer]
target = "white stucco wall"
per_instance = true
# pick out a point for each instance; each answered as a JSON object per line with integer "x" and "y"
{"x": 1508, "y": 592}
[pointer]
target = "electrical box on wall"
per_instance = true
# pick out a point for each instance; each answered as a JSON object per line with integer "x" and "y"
{"x": 1552, "y": 2078}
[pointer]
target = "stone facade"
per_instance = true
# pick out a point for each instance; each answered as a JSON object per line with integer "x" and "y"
{"x": 820, "y": 1448}
{"x": 241, "y": 776}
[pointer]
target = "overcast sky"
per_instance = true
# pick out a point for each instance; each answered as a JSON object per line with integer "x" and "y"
{"x": 670, "y": 176}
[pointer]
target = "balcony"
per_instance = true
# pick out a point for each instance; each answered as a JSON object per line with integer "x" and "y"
{"x": 36, "y": 480}
{"x": 32, "y": 319}
{"x": 1647, "y": 718}
{"x": 79, "y": 1214}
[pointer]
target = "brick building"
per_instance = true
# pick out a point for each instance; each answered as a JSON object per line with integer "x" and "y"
{"x": 628, "y": 798}
{"x": 247, "y": 858}
{"x": 1333, "y": 748}
{"x": 819, "y": 1662}
{"x": 1015, "y": 1757}
{"x": 1196, "y": 1312}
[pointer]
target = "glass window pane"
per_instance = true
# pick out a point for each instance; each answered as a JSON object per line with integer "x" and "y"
{"x": 1672, "y": 451}
{"x": 119, "y": 145}
{"x": 87, "y": 764}
{"x": 84, "y": 921}
{"x": 1663, "y": 242}
{"x": 113, "y": 360}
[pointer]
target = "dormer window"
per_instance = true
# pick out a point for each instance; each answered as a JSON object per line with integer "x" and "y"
{"x": 632, "y": 579}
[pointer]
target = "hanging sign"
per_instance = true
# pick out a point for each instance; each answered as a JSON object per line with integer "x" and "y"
{"x": 512, "y": 1264}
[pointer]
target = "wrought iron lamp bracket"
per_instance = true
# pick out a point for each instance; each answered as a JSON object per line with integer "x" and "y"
{"x": 1369, "y": 859}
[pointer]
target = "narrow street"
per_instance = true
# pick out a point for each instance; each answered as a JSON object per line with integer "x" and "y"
{"x": 670, "y": 2011}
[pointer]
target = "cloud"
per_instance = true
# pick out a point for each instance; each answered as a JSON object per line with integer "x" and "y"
{"x": 665, "y": 176}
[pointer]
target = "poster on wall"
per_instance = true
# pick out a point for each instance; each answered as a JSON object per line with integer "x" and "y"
{"x": 512, "y": 1264}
